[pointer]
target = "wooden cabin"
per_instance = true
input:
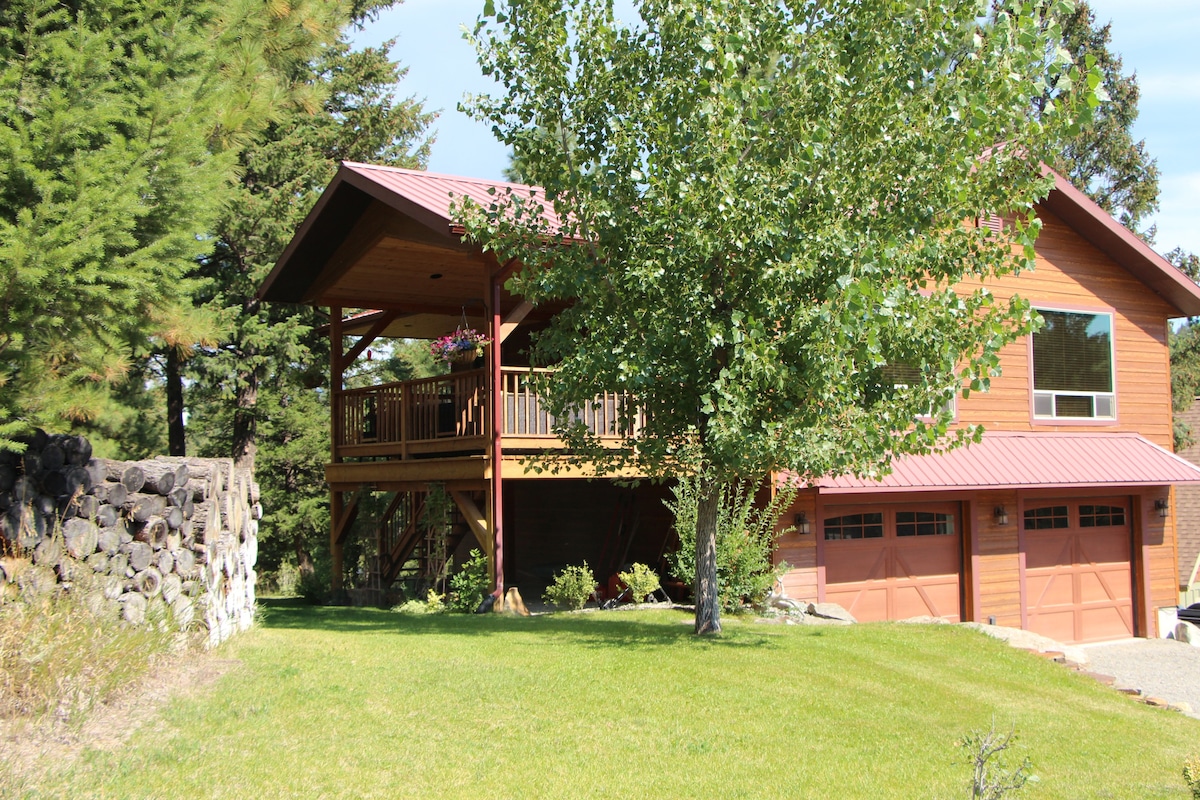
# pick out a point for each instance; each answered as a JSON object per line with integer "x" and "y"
{"x": 1059, "y": 521}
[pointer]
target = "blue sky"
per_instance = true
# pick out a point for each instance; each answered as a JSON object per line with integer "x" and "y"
{"x": 1157, "y": 39}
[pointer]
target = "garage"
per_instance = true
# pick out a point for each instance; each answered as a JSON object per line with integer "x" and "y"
{"x": 893, "y": 562}
{"x": 1078, "y": 583}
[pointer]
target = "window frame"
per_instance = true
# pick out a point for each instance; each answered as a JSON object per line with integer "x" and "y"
{"x": 1034, "y": 393}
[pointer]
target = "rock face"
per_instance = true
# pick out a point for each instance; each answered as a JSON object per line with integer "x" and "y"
{"x": 177, "y": 536}
{"x": 830, "y": 611}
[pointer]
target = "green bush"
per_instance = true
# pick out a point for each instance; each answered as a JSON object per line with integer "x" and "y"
{"x": 746, "y": 535}
{"x": 1191, "y": 775}
{"x": 470, "y": 584}
{"x": 641, "y": 580}
{"x": 433, "y": 603}
{"x": 571, "y": 588}
{"x": 314, "y": 586}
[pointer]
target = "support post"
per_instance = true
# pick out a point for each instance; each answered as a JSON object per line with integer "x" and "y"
{"x": 336, "y": 505}
{"x": 496, "y": 495}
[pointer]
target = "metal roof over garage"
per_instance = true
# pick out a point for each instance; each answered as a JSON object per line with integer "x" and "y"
{"x": 1012, "y": 460}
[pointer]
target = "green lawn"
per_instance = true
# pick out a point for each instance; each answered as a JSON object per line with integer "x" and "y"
{"x": 335, "y": 702}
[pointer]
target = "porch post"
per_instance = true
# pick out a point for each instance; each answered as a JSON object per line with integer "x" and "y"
{"x": 336, "y": 504}
{"x": 496, "y": 499}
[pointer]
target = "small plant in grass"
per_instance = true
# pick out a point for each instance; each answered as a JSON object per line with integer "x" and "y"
{"x": 991, "y": 776}
{"x": 1191, "y": 775}
{"x": 641, "y": 580}
{"x": 571, "y": 588}
{"x": 470, "y": 584}
{"x": 433, "y": 603}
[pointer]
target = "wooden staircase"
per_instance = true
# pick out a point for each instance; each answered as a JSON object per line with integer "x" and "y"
{"x": 408, "y": 552}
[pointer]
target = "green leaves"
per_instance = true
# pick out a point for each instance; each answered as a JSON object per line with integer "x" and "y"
{"x": 770, "y": 200}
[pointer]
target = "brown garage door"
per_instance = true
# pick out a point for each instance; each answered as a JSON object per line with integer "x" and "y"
{"x": 893, "y": 562}
{"x": 1078, "y": 581}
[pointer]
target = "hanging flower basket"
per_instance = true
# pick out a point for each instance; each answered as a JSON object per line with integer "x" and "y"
{"x": 461, "y": 347}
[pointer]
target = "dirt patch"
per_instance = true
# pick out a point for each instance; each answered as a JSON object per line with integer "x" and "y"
{"x": 31, "y": 751}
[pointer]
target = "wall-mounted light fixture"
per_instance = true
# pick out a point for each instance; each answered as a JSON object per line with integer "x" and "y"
{"x": 1162, "y": 507}
{"x": 803, "y": 526}
{"x": 1000, "y": 515}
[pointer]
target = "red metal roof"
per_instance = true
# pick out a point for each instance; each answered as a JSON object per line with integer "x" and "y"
{"x": 434, "y": 192}
{"x": 1010, "y": 460}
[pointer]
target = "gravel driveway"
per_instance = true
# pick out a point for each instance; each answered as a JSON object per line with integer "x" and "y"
{"x": 1161, "y": 668}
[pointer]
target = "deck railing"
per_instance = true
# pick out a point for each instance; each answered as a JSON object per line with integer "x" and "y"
{"x": 526, "y": 417}
{"x": 448, "y": 414}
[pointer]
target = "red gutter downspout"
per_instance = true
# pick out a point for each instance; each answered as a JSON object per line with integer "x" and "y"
{"x": 497, "y": 509}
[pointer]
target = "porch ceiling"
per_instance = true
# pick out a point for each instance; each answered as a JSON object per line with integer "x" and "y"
{"x": 408, "y": 276}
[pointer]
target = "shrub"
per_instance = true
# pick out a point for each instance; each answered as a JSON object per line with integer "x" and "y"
{"x": 433, "y": 603}
{"x": 746, "y": 536}
{"x": 641, "y": 580}
{"x": 470, "y": 584}
{"x": 1191, "y": 775}
{"x": 314, "y": 587}
{"x": 571, "y": 588}
{"x": 287, "y": 579}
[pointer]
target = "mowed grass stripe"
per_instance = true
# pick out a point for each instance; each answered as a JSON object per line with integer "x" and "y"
{"x": 332, "y": 703}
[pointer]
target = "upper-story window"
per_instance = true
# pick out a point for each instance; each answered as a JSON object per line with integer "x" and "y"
{"x": 903, "y": 376}
{"x": 1073, "y": 366}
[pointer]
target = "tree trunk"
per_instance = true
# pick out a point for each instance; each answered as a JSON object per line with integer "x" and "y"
{"x": 708, "y": 602}
{"x": 245, "y": 417}
{"x": 176, "y": 444}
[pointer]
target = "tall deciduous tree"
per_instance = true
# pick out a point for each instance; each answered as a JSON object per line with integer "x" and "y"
{"x": 763, "y": 208}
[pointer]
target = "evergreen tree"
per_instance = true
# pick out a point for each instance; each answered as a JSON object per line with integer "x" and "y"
{"x": 1103, "y": 159}
{"x": 252, "y": 395}
{"x": 119, "y": 121}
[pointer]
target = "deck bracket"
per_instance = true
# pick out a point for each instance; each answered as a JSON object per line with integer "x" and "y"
{"x": 475, "y": 519}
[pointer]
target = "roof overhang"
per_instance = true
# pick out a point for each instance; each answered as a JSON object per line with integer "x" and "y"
{"x": 1123, "y": 246}
{"x": 1006, "y": 460}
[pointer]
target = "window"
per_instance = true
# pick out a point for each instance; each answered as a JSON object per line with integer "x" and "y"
{"x": 1037, "y": 519}
{"x": 1073, "y": 367}
{"x": 902, "y": 376}
{"x": 924, "y": 523}
{"x": 1101, "y": 516}
{"x": 854, "y": 526}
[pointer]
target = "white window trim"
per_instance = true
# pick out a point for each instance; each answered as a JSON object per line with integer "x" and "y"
{"x": 1053, "y": 394}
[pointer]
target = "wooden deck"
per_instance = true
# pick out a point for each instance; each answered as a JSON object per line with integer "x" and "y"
{"x": 448, "y": 416}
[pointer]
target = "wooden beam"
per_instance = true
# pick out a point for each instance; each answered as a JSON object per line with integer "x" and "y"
{"x": 342, "y": 526}
{"x": 365, "y": 341}
{"x": 353, "y": 474}
{"x": 476, "y": 521}
{"x": 512, "y": 319}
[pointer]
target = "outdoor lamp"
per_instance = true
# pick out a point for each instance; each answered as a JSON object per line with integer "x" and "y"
{"x": 1162, "y": 507}
{"x": 803, "y": 526}
{"x": 1000, "y": 515}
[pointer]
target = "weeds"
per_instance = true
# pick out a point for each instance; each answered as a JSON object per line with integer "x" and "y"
{"x": 59, "y": 657}
{"x": 992, "y": 778}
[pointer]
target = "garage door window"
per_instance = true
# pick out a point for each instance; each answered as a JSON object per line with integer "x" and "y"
{"x": 854, "y": 526}
{"x": 1037, "y": 519}
{"x": 924, "y": 523}
{"x": 1101, "y": 516}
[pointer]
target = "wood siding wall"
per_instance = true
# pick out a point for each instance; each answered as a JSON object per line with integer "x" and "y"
{"x": 1073, "y": 274}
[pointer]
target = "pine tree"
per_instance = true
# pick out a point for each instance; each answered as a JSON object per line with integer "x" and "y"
{"x": 119, "y": 124}
{"x": 255, "y": 388}
{"x": 1103, "y": 159}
